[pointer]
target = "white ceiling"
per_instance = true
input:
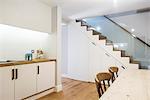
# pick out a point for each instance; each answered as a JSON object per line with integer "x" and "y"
{"x": 74, "y": 9}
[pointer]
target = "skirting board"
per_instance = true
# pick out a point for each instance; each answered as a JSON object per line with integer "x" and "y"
{"x": 91, "y": 81}
{"x": 58, "y": 88}
{"x": 39, "y": 95}
{"x": 74, "y": 78}
{"x": 65, "y": 75}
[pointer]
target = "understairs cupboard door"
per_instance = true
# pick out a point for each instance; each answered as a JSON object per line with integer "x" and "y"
{"x": 25, "y": 83}
{"x": 6, "y": 83}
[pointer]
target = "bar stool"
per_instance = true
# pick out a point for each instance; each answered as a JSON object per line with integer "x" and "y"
{"x": 114, "y": 72}
{"x": 100, "y": 80}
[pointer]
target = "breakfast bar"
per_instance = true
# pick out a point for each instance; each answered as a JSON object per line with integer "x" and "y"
{"x": 130, "y": 85}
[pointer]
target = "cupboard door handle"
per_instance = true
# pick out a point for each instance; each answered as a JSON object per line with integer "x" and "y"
{"x": 123, "y": 67}
{"x": 12, "y": 74}
{"x": 16, "y": 77}
{"x": 38, "y": 70}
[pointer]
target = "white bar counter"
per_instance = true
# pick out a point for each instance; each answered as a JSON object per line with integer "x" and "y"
{"x": 130, "y": 85}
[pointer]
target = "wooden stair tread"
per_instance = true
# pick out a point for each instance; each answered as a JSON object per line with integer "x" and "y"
{"x": 126, "y": 56}
{"x": 123, "y": 54}
{"x": 96, "y": 33}
{"x": 143, "y": 67}
{"x": 109, "y": 42}
{"x": 101, "y": 37}
{"x": 78, "y": 20}
{"x": 116, "y": 49}
{"x": 135, "y": 62}
{"x": 89, "y": 28}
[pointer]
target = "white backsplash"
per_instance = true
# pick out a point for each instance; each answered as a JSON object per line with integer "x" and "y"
{"x": 16, "y": 42}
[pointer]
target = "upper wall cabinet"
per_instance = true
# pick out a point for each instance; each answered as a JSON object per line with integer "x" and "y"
{"x": 28, "y": 14}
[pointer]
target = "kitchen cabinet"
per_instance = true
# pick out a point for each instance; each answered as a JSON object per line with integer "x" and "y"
{"x": 45, "y": 75}
{"x": 21, "y": 81}
{"x": 6, "y": 83}
{"x": 25, "y": 83}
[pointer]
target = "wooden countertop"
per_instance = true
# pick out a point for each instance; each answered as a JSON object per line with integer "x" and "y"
{"x": 130, "y": 85}
{"x": 25, "y": 62}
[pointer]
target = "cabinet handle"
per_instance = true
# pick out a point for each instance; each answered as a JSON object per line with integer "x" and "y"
{"x": 107, "y": 54}
{"x": 123, "y": 67}
{"x": 16, "y": 77}
{"x": 12, "y": 74}
{"x": 38, "y": 70}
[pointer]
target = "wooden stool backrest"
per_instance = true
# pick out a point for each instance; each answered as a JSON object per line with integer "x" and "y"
{"x": 114, "y": 72}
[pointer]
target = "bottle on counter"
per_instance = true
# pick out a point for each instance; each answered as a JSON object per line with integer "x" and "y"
{"x": 40, "y": 54}
{"x": 28, "y": 56}
{"x": 33, "y": 54}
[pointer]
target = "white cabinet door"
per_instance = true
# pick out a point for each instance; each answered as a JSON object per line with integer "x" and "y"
{"x": 46, "y": 76}
{"x": 25, "y": 83}
{"x": 6, "y": 83}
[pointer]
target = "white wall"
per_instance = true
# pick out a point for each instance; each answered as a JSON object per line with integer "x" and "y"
{"x": 0, "y": 11}
{"x": 15, "y": 42}
{"x": 56, "y": 28}
{"x": 52, "y": 46}
{"x": 78, "y": 53}
{"x": 64, "y": 49}
{"x": 100, "y": 61}
{"x": 29, "y": 14}
{"x": 85, "y": 60}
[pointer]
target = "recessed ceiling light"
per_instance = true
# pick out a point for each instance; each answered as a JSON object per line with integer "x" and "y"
{"x": 121, "y": 45}
{"x": 84, "y": 20}
{"x": 116, "y": 46}
{"x": 132, "y": 30}
{"x": 98, "y": 28}
{"x": 115, "y": 3}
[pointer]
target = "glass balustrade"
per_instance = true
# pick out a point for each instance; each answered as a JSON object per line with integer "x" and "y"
{"x": 122, "y": 40}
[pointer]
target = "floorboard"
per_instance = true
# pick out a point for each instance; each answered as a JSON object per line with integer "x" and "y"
{"x": 74, "y": 90}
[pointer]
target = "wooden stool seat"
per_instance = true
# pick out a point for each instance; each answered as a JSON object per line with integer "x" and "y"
{"x": 100, "y": 80}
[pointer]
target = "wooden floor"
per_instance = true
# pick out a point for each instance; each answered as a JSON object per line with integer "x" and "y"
{"x": 74, "y": 90}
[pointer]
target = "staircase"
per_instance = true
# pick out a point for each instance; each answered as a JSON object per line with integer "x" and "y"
{"x": 98, "y": 39}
